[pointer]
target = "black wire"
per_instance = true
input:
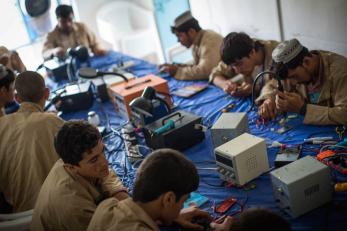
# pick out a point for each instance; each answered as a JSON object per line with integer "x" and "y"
{"x": 222, "y": 185}
{"x": 261, "y": 74}
{"x": 204, "y": 162}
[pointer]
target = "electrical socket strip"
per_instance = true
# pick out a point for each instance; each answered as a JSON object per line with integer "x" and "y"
{"x": 130, "y": 141}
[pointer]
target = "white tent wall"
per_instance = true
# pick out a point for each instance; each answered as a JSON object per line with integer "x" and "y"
{"x": 318, "y": 24}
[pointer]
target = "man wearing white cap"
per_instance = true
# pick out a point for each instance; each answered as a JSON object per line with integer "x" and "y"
{"x": 323, "y": 100}
{"x": 205, "y": 48}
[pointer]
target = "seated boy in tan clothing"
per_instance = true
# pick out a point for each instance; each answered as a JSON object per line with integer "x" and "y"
{"x": 69, "y": 34}
{"x": 78, "y": 181}
{"x": 205, "y": 49}
{"x": 164, "y": 181}
{"x": 243, "y": 58}
{"x": 27, "y": 151}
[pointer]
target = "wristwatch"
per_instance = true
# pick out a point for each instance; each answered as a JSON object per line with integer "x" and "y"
{"x": 303, "y": 109}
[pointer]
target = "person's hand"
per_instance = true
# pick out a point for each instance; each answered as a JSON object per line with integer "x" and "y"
{"x": 289, "y": 101}
{"x": 59, "y": 52}
{"x": 16, "y": 62}
{"x": 121, "y": 195}
{"x": 171, "y": 69}
{"x": 100, "y": 51}
{"x": 229, "y": 86}
{"x": 267, "y": 110}
{"x": 186, "y": 215}
{"x": 4, "y": 60}
{"x": 242, "y": 91}
{"x": 225, "y": 226}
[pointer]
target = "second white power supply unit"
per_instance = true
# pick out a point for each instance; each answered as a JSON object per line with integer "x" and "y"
{"x": 301, "y": 186}
{"x": 242, "y": 159}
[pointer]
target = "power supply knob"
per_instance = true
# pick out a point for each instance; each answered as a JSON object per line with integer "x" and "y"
{"x": 280, "y": 190}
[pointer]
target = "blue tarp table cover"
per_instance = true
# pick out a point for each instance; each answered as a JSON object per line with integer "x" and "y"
{"x": 209, "y": 105}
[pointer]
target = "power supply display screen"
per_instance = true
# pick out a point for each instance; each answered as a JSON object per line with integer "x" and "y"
{"x": 224, "y": 160}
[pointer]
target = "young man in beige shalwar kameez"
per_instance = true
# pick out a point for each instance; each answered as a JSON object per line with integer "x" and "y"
{"x": 78, "y": 181}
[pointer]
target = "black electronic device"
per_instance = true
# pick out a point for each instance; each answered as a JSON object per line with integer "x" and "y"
{"x": 179, "y": 130}
{"x": 65, "y": 68}
{"x": 287, "y": 155}
{"x": 97, "y": 79}
{"x": 76, "y": 97}
{"x": 78, "y": 58}
{"x": 56, "y": 69}
{"x": 278, "y": 71}
{"x": 148, "y": 108}
{"x": 101, "y": 89}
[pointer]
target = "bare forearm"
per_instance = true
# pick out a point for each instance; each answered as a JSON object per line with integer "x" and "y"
{"x": 220, "y": 81}
{"x": 121, "y": 195}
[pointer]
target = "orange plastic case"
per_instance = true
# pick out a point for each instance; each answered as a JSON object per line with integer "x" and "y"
{"x": 123, "y": 93}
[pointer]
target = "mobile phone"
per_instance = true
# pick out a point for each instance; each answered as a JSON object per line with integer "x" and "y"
{"x": 195, "y": 199}
{"x": 225, "y": 205}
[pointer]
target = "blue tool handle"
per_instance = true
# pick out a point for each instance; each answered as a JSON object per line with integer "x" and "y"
{"x": 342, "y": 143}
{"x": 170, "y": 124}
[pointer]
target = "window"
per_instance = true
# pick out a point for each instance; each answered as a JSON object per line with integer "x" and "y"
{"x": 21, "y": 32}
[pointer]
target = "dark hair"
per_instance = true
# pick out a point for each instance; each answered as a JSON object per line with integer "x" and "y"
{"x": 75, "y": 138}
{"x": 30, "y": 86}
{"x": 6, "y": 80}
{"x": 282, "y": 68}
{"x": 162, "y": 171}
{"x": 63, "y": 11}
{"x": 260, "y": 219}
{"x": 184, "y": 27}
{"x": 236, "y": 46}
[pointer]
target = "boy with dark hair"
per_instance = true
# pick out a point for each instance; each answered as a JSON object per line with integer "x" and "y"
{"x": 317, "y": 80}
{"x": 63, "y": 11}
{"x": 78, "y": 181}
{"x": 164, "y": 181}
{"x": 26, "y": 149}
{"x": 204, "y": 45}
{"x": 69, "y": 34}
{"x": 244, "y": 56}
{"x": 6, "y": 88}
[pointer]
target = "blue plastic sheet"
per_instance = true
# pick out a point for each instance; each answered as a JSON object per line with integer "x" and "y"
{"x": 209, "y": 105}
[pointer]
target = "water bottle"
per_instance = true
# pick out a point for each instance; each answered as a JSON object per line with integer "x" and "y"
{"x": 93, "y": 118}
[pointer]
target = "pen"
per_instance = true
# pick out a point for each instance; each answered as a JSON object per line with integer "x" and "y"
{"x": 318, "y": 138}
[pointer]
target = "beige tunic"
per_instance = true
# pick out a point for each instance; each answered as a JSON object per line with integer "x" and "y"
{"x": 205, "y": 50}
{"x": 331, "y": 107}
{"x": 27, "y": 153}
{"x": 67, "y": 201}
{"x": 2, "y": 111}
{"x": 226, "y": 71}
{"x": 125, "y": 215}
{"x": 80, "y": 35}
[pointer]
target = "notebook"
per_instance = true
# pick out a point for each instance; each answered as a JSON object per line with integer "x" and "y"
{"x": 189, "y": 91}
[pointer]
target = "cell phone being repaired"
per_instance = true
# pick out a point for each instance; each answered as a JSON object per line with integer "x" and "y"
{"x": 225, "y": 205}
{"x": 287, "y": 154}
